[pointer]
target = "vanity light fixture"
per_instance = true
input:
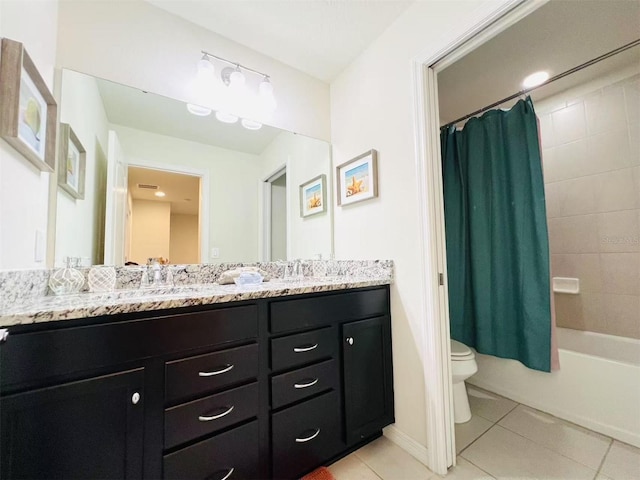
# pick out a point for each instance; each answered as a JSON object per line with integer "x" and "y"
{"x": 535, "y": 79}
{"x": 160, "y": 194}
{"x": 239, "y": 98}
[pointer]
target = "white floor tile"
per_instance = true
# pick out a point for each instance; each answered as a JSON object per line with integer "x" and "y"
{"x": 507, "y": 455}
{"x": 390, "y": 462}
{"x": 487, "y": 404}
{"x": 602, "y": 477}
{"x": 465, "y": 470}
{"x": 352, "y": 468}
{"x": 577, "y": 443}
{"x": 622, "y": 462}
{"x": 467, "y": 432}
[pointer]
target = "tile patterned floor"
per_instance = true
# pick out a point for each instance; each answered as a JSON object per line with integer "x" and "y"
{"x": 507, "y": 441}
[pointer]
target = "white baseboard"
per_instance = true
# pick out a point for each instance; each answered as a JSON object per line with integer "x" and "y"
{"x": 408, "y": 444}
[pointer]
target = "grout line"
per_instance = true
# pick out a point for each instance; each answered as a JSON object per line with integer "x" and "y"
{"x": 511, "y": 410}
{"x": 476, "y": 439}
{"x": 362, "y": 460}
{"x": 481, "y": 469}
{"x": 604, "y": 458}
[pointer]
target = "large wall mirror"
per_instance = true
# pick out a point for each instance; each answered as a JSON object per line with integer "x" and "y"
{"x": 161, "y": 182}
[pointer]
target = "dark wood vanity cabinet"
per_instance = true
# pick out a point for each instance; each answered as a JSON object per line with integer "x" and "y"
{"x": 270, "y": 388}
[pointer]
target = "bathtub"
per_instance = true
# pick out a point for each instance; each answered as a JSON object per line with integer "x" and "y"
{"x": 597, "y": 386}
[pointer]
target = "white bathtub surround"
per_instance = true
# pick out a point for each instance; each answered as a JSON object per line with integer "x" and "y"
{"x": 596, "y": 387}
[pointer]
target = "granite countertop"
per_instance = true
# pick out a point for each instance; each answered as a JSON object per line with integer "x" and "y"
{"x": 66, "y": 307}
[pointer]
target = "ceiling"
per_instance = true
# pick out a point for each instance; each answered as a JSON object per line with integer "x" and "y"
{"x": 318, "y": 37}
{"x": 182, "y": 191}
{"x": 558, "y": 36}
{"x": 134, "y": 108}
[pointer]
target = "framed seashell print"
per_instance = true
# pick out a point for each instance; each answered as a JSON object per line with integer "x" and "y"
{"x": 72, "y": 163}
{"x": 313, "y": 196}
{"x": 358, "y": 178}
{"x": 28, "y": 111}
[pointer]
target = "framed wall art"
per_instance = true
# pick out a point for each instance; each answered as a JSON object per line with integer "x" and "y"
{"x": 313, "y": 196}
{"x": 28, "y": 111}
{"x": 72, "y": 163}
{"x": 358, "y": 178}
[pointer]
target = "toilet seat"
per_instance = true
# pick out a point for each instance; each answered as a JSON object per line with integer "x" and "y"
{"x": 460, "y": 352}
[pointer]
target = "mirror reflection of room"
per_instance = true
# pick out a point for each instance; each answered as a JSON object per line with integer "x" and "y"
{"x": 126, "y": 131}
{"x": 163, "y": 217}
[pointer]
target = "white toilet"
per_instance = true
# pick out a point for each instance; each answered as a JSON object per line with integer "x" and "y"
{"x": 463, "y": 365}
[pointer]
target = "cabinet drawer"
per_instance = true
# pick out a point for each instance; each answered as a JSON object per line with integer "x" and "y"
{"x": 235, "y": 451}
{"x": 294, "y": 350}
{"x": 289, "y": 315}
{"x": 304, "y": 382}
{"x": 207, "y": 415}
{"x": 205, "y": 373}
{"x": 305, "y": 436}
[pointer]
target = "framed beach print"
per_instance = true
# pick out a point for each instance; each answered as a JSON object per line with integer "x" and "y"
{"x": 358, "y": 178}
{"x": 313, "y": 196}
{"x": 28, "y": 111}
{"x": 72, "y": 163}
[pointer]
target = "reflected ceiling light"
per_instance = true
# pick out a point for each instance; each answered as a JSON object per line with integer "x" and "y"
{"x": 226, "y": 117}
{"x": 198, "y": 110}
{"x": 535, "y": 79}
{"x": 160, "y": 194}
{"x": 251, "y": 124}
{"x": 265, "y": 90}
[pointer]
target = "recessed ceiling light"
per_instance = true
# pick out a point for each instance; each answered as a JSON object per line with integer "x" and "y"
{"x": 198, "y": 110}
{"x": 535, "y": 79}
{"x": 159, "y": 194}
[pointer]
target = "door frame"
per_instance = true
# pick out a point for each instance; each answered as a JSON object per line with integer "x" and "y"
{"x": 264, "y": 230}
{"x": 204, "y": 221}
{"x": 441, "y": 451}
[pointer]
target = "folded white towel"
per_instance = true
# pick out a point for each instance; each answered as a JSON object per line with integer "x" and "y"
{"x": 229, "y": 276}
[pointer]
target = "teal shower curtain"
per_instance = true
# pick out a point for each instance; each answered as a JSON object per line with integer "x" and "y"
{"x": 496, "y": 236}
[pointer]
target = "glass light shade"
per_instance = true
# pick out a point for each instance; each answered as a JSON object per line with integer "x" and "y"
{"x": 226, "y": 117}
{"x": 206, "y": 68}
{"x": 535, "y": 79}
{"x": 237, "y": 79}
{"x": 251, "y": 124}
{"x": 198, "y": 110}
{"x": 267, "y": 99}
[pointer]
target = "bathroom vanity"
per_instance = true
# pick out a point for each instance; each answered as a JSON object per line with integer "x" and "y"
{"x": 245, "y": 389}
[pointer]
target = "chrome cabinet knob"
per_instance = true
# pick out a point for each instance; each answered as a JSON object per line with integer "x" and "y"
{"x": 350, "y": 340}
{"x": 135, "y": 398}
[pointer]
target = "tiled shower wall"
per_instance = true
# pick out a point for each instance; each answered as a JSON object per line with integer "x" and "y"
{"x": 591, "y": 156}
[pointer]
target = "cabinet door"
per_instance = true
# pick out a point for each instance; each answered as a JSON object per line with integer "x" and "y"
{"x": 87, "y": 429}
{"x": 368, "y": 377}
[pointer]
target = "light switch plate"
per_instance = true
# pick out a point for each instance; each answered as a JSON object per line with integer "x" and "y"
{"x": 215, "y": 252}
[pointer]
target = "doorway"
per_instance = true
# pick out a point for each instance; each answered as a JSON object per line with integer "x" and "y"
{"x": 275, "y": 216}
{"x": 163, "y": 217}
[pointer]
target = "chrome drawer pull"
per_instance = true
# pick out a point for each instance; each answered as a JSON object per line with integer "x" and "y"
{"x": 229, "y": 473}
{"x": 203, "y": 418}
{"x": 216, "y": 372}
{"x": 305, "y": 385}
{"x": 302, "y": 440}
{"x": 305, "y": 349}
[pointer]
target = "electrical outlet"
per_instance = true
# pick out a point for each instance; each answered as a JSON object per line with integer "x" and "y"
{"x": 215, "y": 252}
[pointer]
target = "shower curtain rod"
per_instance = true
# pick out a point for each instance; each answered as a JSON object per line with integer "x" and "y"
{"x": 552, "y": 79}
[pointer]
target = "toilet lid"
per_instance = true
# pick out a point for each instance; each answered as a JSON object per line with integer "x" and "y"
{"x": 459, "y": 349}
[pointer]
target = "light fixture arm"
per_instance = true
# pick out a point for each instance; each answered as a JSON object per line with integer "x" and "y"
{"x": 235, "y": 64}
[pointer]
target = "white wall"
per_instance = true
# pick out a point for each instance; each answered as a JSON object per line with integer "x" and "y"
{"x": 150, "y": 230}
{"x": 233, "y": 202}
{"x": 183, "y": 244}
{"x": 77, "y": 227}
{"x": 371, "y": 107}
{"x": 24, "y": 190}
{"x": 137, "y": 44}
{"x": 305, "y": 158}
